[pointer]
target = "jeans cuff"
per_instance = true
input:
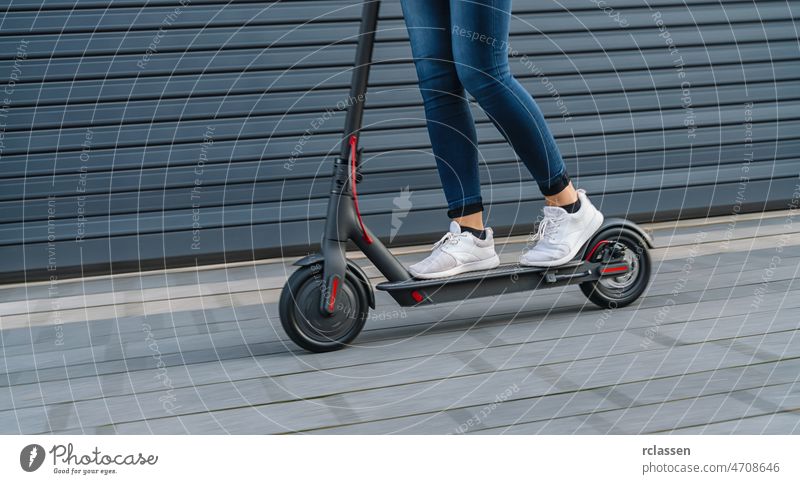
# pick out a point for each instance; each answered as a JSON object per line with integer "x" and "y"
{"x": 465, "y": 209}
{"x": 555, "y": 185}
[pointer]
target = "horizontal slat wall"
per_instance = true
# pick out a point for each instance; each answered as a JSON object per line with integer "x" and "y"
{"x": 102, "y": 141}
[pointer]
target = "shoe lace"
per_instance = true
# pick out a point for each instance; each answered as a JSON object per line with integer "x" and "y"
{"x": 448, "y": 238}
{"x": 548, "y": 228}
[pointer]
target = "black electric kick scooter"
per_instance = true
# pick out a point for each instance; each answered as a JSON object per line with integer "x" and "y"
{"x": 325, "y": 303}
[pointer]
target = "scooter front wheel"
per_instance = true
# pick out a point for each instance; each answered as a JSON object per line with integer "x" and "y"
{"x": 617, "y": 291}
{"x": 304, "y": 321}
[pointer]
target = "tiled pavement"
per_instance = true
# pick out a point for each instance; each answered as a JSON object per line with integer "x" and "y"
{"x": 713, "y": 347}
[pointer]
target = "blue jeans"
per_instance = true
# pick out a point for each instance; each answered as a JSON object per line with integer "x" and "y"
{"x": 463, "y": 44}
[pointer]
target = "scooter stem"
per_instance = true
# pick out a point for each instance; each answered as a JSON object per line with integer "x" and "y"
{"x": 342, "y": 219}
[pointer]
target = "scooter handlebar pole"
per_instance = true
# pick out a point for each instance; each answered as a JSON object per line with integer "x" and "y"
{"x": 363, "y": 61}
{"x": 341, "y": 221}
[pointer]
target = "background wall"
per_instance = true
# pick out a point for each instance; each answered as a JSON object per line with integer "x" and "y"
{"x": 161, "y": 133}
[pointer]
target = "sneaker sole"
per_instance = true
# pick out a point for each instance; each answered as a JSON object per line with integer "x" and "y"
{"x": 480, "y": 265}
{"x": 595, "y": 224}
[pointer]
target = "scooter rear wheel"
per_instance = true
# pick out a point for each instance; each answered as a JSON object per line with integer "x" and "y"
{"x": 303, "y": 320}
{"x": 618, "y": 291}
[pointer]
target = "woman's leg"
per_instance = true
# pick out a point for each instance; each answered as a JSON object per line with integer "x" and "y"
{"x": 449, "y": 120}
{"x": 479, "y": 34}
{"x": 467, "y": 246}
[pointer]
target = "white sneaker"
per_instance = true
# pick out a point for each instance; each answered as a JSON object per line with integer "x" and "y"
{"x": 561, "y": 235}
{"x": 455, "y": 253}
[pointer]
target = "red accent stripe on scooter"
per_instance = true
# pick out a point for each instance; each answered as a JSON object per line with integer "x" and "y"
{"x": 591, "y": 252}
{"x": 611, "y": 270}
{"x": 353, "y": 149}
{"x": 334, "y": 287}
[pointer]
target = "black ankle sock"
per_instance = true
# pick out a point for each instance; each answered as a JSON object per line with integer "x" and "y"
{"x": 481, "y": 234}
{"x": 572, "y": 207}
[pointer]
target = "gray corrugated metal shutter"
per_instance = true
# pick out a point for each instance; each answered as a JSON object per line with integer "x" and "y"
{"x": 142, "y": 134}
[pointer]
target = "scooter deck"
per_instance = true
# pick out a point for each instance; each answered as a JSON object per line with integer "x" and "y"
{"x": 500, "y": 280}
{"x": 502, "y": 271}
